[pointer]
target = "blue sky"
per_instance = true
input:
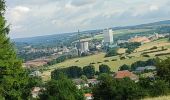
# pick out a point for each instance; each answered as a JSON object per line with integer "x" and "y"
{"x": 30, "y": 18}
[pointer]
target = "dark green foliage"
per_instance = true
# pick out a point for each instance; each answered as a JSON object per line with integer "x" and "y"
{"x": 13, "y": 78}
{"x": 154, "y": 87}
{"x": 163, "y": 69}
{"x": 104, "y": 68}
{"x": 62, "y": 89}
{"x": 130, "y": 46}
{"x": 61, "y": 59}
{"x": 89, "y": 71}
{"x": 143, "y": 63}
{"x": 124, "y": 67}
{"x": 112, "y": 89}
{"x": 71, "y": 72}
{"x": 111, "y": 52}
{"x": 32, "y": 55}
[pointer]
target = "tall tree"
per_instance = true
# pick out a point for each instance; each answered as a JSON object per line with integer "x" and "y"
{"x": 89, "y": 71}
{"x": 104, "y": 68}
{"x": 61, "y": 89}
{"x": 13, "y": 79}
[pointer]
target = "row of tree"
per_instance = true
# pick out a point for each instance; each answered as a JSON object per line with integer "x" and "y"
{"x": 149, "y": 62}
{"x": 126, "y": 89}
{"x": 76, "y": 72}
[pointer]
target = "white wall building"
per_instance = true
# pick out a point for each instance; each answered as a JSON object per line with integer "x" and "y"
{"x": 108, "y": 36}
{"x": 84, "y": 46}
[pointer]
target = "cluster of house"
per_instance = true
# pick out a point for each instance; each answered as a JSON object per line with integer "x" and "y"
{"x": 118, "y": 75}
{"x": 80, "y": 83}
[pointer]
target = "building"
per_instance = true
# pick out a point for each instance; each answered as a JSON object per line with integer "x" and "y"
{"x": 146, "y": 68}
{"x": 88, "y": 96}
{"x": 83, "y": 46}
{"x": 35, "y": 92}
{"x": 108, "y": 36}
{"x": 35, "y": 73}
{"x": 126, "y": 73}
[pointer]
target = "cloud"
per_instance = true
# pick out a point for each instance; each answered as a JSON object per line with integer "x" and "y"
{"x": 42, "y": 17}
{"x": 82, "y": 2}
{"x": 17, "y": 13}
{"x": 154, "y": 8}
{"x": 21, "y": 9}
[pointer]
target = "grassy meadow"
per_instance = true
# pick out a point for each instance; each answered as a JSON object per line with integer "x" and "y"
{"x": 113, "y": 62}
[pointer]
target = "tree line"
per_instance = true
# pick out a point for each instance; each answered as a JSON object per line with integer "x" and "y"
{"x": 77, "y": 72}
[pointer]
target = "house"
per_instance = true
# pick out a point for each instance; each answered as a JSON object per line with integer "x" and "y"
{"x": 148, "y": 68}
{"x": 126, "y": 73}
{"x": 88, "y": 96}
{"x": 35, "y": 92}
{"x": 92, "y": 82}
{"x": 35, "y": 73}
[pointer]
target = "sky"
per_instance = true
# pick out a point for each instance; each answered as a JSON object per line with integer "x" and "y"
{"x": 29, "y": 18}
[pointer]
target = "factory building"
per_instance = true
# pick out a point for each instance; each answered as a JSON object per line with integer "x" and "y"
{"x": 84, "y": 46}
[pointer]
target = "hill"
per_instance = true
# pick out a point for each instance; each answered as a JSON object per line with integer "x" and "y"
{"x": 52, "y": 38}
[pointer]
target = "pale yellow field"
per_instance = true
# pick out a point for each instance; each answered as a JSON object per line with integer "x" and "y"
{"x": 114, "y": 65}
{"x": 159, "y": 98}
{"x": 158, "y": 43}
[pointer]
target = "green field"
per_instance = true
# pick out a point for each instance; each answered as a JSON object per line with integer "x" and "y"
{"x": 99, "y": 59}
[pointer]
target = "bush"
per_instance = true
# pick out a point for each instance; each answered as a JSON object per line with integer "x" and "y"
{"x": 124, "y": 67}
{"x": 145, "y": 55}
{"x": 114, "y": 59}
{"x": 104, "y": 68}
{"x": 122, "y": 89}
{"x": 154, "y": 47}
{"x": 106, "y": 60}
{"x": 111, "y": 52}
{"x": 89, "y": 71}
{"x": 99, "y": 62}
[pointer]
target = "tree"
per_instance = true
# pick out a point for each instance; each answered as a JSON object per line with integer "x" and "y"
{"x": 74, "y": 72}
{"x": 71, "y": 72}
{"x": 13, "y": 78}
{"x": 155, "y": 87}
{"x": 163, "y": 69}
{"x": 124, "y": 67}
{"x": 122, "y": 89}
{"x": 111, "y": 52}
{"x": 84, "y": 78}
{"x": 62, "y": 89}
{"x": 104, "y": 68}
{"x": 89, "y": 71}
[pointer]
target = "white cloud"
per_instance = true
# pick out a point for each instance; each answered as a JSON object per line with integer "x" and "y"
{"x": 41, "y": 17}
{"x": 154, "y": 8}
{"x": 17, "y": 13}
{"x": 21, "y": 9}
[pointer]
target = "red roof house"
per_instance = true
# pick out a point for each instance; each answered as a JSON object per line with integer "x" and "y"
{"x": 126, "y": 73}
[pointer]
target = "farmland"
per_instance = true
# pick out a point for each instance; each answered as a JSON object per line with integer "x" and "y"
{"x": 114, "y": 62}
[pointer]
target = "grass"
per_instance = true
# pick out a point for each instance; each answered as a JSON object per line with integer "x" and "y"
{"x": 158, "y": 43}
{"x": 99, "y": 59}
{"x": 83, "y": 61}
{"x": 159, "y": 98}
